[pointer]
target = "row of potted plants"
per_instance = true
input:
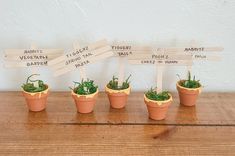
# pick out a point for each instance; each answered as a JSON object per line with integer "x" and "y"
{"x": 85, "y": 94}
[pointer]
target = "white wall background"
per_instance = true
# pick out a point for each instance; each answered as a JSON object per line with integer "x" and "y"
{"x": 57, "y": 23}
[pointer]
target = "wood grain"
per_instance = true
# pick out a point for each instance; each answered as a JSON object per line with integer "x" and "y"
{"x": 211, "y": 108}
{"x": 207, "y": 129}
{"x": 40, "y": 139}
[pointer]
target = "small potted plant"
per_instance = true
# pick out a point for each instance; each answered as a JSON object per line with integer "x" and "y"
{"x": 35, "y": 93}
{"x": 85, "y": 94}
{"x": 157, "y": 103}
{"x": 188, "y": 90}
{"x": 118, "y": 94}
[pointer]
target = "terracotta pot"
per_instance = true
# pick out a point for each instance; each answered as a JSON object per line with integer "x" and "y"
{"x": 188, "y": 96}
{"x": 157, "y": 109}
{"x": 117, "y": 98}
{"x": 36, "y": 101}
{"x": 85, "y": 103}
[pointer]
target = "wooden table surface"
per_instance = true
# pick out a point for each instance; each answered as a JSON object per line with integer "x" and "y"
{"x": 207, "y": 129}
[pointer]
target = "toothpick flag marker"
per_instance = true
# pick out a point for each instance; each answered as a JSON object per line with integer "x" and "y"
{"x": 80, "y": 57}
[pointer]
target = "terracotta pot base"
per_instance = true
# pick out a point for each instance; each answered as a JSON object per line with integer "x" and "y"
{"x": 85, "y": 103}
{"x": 36, "y": 101}
{"x": 36, "y": 105}
{"x": 117, "y": 98}
{"x": 157, "y": 111}
{"x": 188, "y": 96}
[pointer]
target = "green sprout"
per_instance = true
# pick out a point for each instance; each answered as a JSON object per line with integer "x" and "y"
{"x": 113, "y": 84}
{"x": 84, "y": 87}
{"x": 153, "y": 95}
{"x": 190, "y": 83}
{"x": 29, "y": 86}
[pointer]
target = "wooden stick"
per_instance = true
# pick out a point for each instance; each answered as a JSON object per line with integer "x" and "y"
{"x": 97, "y": 47}
{"x": 160, "y": 70}
{"x": 207, "y": 57}
{"x": 72, "y": 66}
{"x": 121, "y": 70}
{"x": 10, "y": 64}
{"x": 165, "y": 56}
{"x": 162, "y": 62}
{"x": 191, "y": 49}
{"x": 25, "y": 58}
{"x": 9, "y": 52}
{"x": 34, "y": 70}
{"x": 193, "y": 43}
{"x": 60, "y": 61}
{"x": 128, "y": 47}
{"x": 82, "y": 69}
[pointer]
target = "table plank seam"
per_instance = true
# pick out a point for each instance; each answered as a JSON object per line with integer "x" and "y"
{"x": 135, "y": 124}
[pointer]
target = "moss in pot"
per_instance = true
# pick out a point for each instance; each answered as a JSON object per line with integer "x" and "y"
{"x": 118, "y": 95}
{"x": 85, "y": 94}
{"x": 188, "y": 90}
{"x": 35, "y": 93}
{"x": 157, "y": 103}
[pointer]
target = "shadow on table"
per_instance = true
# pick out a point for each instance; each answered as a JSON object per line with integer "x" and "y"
{"x": 186, "y": 115}
{"x": 117, "y": 116}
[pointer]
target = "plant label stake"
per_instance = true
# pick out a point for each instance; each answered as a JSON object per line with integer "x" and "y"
{"x": 34, "y": 70}
{"x": 121, "y": 73}
{"x": 161, "y": 58}
{"x": 160, "y": 70}
{"x": 32, "y": 58}
{"x": 189, "y": 68}
{"x": 80, "y": 57}
{"x": 198, "y": 53}
{"x": 123, "y": 50}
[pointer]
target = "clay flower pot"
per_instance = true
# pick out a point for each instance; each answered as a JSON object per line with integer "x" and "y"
{"x": 85, "y": 103}
{"x": 36, "y": 101}
{"x": 188, "y": 96}
{"x": 117, "y": 98}
{"x": 157, "y": 109}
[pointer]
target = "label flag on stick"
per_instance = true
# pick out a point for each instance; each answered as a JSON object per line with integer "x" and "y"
{"x": 124, "y": 50}
{"x": 161, "y": 58}
{"x": 199, "y": 53}
{"x": 160, "y": 70}
{"x": 80, "y": 57}
{"x": 32, "y": 57}
{"x": 196, "y": 52}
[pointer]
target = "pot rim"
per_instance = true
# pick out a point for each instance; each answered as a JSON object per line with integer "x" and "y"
{"x": 86, "y": 96}
{"x": 190, "y": 89}
{"x": 126, "y": 91}
{"x": 159, "y": 103}
{"x": 32, "y": 94}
